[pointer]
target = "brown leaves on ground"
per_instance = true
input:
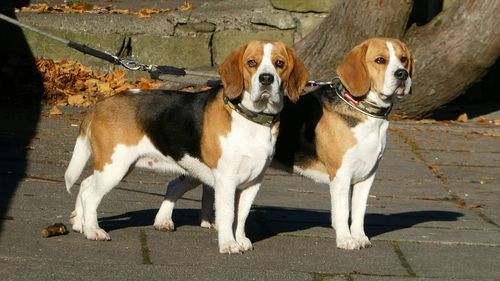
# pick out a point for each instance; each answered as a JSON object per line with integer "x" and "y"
{"x": 462, "y": 118}
{"x": 72, "y": 83}
{"x": 77, "y": 7}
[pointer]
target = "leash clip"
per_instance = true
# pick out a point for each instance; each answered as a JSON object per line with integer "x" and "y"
{"x": 134, "y": 65}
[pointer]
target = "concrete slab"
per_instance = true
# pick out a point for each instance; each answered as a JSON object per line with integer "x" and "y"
{"x": 34, "y": 269}
{"x": 306, "y": 255}
{"x": 453, "y": 261}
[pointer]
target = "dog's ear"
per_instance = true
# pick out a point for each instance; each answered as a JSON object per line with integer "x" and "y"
{"x": 411, "y": 67}
{"x": 298, "y": 77}
{"x": 231, "y": 72}
{"x": 353, "y": 73}
{"x": 411, "y": 64}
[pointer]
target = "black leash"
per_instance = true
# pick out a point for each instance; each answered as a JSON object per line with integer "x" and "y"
{"x": 155, "y": 71}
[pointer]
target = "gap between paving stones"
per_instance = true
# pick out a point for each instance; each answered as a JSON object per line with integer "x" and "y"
{"x": 146, "y": 259}
{"x": 460, "y": 202}
{"x": 404, "y": 262}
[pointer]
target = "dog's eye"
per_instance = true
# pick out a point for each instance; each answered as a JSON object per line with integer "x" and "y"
{"x": 380, "y": 60}
{"x": 252, "y": 63}
{"x": 280, "y": 64}
{"x": 404, "y": 60}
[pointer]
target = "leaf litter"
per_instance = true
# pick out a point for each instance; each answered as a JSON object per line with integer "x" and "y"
{"x": 72, "y": 83}
{"x": 78, "y": 7}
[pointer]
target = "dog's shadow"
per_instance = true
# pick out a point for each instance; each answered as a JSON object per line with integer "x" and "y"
{"x": 266, "y": 221}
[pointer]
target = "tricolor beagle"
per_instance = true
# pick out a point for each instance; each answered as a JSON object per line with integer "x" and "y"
{"x": 223, "y": 138}
{"x": 337, "y": 134}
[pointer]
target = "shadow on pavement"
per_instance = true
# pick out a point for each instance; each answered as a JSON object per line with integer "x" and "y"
{"x": 146, "y": 218}
{"x": 283, "y": 220}
{"x": 20, "y": 97}
{"x": 275, "y": 220}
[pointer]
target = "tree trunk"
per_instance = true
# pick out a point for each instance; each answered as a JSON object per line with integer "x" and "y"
{"x": 349, "y": 23}
{"x": 451, "y": 52}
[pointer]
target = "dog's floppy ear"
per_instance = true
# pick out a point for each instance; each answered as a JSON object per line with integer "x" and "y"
{"x": 411, "y": 64}
{"x": 411, "y": 67}
{"x": 353, "y": 73}
{"x": 231, "y": 72}
{"x": 298, "y": 77}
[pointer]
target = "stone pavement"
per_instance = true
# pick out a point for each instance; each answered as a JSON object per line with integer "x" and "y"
{"x": 433, "y": 214}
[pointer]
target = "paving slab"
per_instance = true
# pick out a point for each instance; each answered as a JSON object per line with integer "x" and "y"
{"x": 33, "y": 269}
{"x": 307, "y": 254}
{"x": 453, "y": 261}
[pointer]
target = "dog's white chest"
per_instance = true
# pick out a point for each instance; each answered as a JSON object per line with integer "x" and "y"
{"x": 362, "y": 159}
{"x": 246, "y": 151}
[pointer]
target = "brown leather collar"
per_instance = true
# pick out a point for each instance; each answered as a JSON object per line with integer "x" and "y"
{"x": 256, "y": 117}
{"x": 363, "y": 105}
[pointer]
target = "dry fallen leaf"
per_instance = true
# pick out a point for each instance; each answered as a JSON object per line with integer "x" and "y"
{"x": 76, "y": 100}
{"x": 55, "y": 111}
{"x": 427, "y": 121}
{"x": 144, "y": 13}
{"x": 463, "y": 118}
{"x": 186, "y": 6}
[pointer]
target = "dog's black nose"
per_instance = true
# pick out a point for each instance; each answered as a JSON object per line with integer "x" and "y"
{"x": 401, "y": 74}
{"x": 266, "y": 79}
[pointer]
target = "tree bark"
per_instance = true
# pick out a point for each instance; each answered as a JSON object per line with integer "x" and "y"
{"x": 451, "y": 52}
{"x": 349, "y": 23}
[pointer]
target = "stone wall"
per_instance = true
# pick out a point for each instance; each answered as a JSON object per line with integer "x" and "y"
{"x": 201, "y": 37}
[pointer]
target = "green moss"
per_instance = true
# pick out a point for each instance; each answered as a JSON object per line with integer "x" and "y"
{"x": 402, "y": 259}
{"x": 144, "y": 248}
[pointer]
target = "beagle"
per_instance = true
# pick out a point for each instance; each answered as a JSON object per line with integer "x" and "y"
{"x": 337, "y": 134}
{"x": 223, "y": 137}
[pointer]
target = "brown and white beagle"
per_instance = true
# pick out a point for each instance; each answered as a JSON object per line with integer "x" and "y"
{"x": 337, "y": 134}
{"x": 223, "y": 138}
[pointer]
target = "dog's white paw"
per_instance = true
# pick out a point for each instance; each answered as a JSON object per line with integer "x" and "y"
{"x": 76, "y": 222}
{"x": 207, "y": 224}
{"x": 97, "y": 234}
{"x": 230, "y": 247}
{"x": 245, "y": 244}
{"x": 77, "y": 225}
{"x": 363, "y": 241}
{"x": 347, "y": 243}
{"x": 167, "y": 225}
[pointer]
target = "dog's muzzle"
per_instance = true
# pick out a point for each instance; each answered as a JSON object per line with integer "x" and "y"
{"x": 402, "y": 80}
{"x": 267, "y": 89}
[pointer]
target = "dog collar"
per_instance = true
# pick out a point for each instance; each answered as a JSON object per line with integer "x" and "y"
{"x": 256, "y": 117}
{"x": 362, "y": 106}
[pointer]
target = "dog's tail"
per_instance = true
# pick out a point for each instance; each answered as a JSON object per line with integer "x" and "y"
{"x": 81, "y": 154}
